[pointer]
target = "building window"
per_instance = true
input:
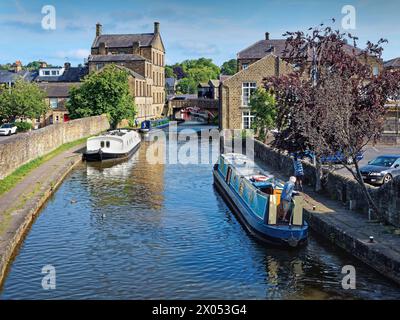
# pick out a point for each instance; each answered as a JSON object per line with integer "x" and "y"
{"x": 375, "y": 71}
{"x": 247, "y": 89}
{"x": 99, "y": 66}
{"x": 46, "y": 72}
{"x": 107, "y": 144}
{"x": 245, "y": 66}
{"x": 54, "y": 73}
{"x": 102, "y": 144}
{"x": 53, "y": 103}
{"x": 247, "y": 119}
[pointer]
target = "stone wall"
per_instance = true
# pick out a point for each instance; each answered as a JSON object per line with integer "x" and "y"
{"x": 24, "y": 147}
{"x": 338, "y": 187}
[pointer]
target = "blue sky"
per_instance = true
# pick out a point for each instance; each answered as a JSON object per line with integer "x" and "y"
{"x": 190, "y": 29}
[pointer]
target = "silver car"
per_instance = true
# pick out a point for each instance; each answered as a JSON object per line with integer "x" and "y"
{"x": 381, "y": 170}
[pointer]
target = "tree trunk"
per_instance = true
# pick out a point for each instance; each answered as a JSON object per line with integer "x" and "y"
{"x": 318, "y": 175}
{"x": 371, "y": 203}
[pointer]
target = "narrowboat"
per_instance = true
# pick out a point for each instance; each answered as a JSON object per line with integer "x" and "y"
{"x": 149, "y": 125}
{"x": 254, "y": 195}
{"x": 115, "y": 144}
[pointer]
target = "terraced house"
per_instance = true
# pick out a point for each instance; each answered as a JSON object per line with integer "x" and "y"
{"x": 144, "y": 55}
{"x": 258, "y": 61}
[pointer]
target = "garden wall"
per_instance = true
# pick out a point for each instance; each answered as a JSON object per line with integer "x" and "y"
{"x": 337, "y": 186}
{"x": 24, "y": 147}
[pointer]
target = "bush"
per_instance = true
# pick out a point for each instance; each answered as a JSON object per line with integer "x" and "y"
{"x": 23, "y": 126}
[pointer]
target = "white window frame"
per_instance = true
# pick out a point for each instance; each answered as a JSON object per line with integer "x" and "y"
{"x": 247, "y": 89}
{"x": 247, "y": 119}
{"x": 375, "y": 71}
{"x": 245, "y": 66}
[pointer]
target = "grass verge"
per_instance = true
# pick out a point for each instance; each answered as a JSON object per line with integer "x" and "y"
{"x": 11, "y": 180}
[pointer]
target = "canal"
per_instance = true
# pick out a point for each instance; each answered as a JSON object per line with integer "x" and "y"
{"x": 135, "y": 230}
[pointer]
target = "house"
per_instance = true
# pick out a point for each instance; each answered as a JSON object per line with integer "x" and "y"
{"x": 208, "y": 90}
{"x": 260, "y": 60}
{"x": 143, "y": 54}
{"x": 203, "y": 90}
{"x": 170, "y": 86}
{"x": 9, "y": 77}
{"x": 57, "y": 82}
{"x": 393, "y": 64}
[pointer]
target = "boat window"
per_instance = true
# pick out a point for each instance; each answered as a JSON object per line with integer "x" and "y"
{"x": 102, "y": 144}
{"x": 107, "y": 144}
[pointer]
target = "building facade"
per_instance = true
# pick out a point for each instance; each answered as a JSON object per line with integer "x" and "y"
{"x": 262, "y": 59}
{"x": 144, "y": 54}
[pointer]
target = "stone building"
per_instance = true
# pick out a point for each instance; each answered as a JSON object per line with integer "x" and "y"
{"x": 235, "y": 91}
{"x": 262, "y": 59}
{"x": 144, "y": 54}
{"x": 56, "y": 82}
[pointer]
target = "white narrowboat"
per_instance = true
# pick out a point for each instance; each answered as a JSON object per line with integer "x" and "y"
{"x": 116, "y": 144}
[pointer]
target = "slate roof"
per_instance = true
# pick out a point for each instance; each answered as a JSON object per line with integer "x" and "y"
{"x": 262, "y": 48}
{"x": 130, "y": 71}
{"x": 11, "y": 76}
{"x": 394, "y": 63}
{"x": 170, "y": 82}
{"x": 123, "y": 40}
{"x": 57, "y": 90}
{"x": 115, "y": 58}
{"x": 72, "y": 74}
{"x": 223, "y": 77}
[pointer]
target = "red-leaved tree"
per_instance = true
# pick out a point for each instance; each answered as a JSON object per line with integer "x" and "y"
{"x": 334, "y": 101}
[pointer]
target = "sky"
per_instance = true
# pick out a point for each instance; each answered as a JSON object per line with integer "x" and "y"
{"x": 190, "y": 29}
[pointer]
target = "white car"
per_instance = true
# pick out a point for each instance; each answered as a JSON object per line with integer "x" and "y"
{"x": 7, "y": 129}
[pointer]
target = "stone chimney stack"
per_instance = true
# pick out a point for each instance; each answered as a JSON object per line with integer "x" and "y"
{"x": 43, "y": 64}
{"x": 135, "y": 47}
{"x": 99, "y": 29}
{"x": 17, "y": 66}
{"x": 156, "y": 27}
{"x": 67, "y": 65}
{"x": 267, "y": 36}
{"x": 102, "y": 48}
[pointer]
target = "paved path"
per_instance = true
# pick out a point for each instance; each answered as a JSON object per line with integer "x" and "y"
{"x": 351, "y": 231}
{"x": 19, "y": 206}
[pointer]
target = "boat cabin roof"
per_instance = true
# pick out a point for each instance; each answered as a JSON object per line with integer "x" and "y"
{"x": 249, "y": 169}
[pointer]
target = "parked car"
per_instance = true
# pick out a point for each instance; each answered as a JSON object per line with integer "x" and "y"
{"x": 8, "y": 129}
{"x": 381, "y": 170}
{"x": 338, "y": 157}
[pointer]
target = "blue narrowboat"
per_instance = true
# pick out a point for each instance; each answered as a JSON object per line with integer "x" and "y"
{"x": 254, "y": 195}
{"x": 149, "y": 125}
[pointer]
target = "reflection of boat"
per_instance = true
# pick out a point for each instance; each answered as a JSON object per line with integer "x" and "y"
{"x": 149, "y": 125}
{"x": 116, "y": 144}
{"x": 255, "y": 197}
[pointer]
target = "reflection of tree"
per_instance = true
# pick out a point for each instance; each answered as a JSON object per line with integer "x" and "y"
{"x": 131, "y": 183}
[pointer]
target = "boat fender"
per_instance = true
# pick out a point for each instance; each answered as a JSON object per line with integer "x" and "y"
{"x": 260, "y": 178}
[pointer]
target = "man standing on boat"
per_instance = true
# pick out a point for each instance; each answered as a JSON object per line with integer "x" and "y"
{"x": 286, "y": 196}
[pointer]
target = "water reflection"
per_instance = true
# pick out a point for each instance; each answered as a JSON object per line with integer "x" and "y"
{"x": 134, "y": 230}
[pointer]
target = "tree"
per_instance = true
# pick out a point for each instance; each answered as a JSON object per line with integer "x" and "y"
{"x": 187, "y": 86}
{"x": 263, "y": 106}
{"x": 229, "y": 67}
{"x": 103, "y": 92}
{"x": 24, "y": 100}
{"x": 340, "y": 107}
{"x": 169, "y": 72}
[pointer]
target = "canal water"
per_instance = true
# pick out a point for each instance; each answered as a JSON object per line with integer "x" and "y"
{"x": 136, "y": 230}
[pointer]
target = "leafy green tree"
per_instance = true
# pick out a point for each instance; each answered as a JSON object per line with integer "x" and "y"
{"x": 263, "y": 106}
{"x": 24, "y": 100}
{"x": 187, "y": 85}
{"x": 229, "y": 67}
{"x": 169, "y": 72}
{"x": 103, "y": 92}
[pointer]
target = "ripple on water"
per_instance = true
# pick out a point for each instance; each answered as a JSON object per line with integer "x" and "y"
{"x": 134, "y": 230}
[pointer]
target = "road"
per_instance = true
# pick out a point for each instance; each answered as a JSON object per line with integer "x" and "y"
{"x": 371, "y": 152}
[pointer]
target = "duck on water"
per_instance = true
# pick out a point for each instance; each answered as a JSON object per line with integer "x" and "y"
{"x": 115, "y": 144}
{"x": 255, "y": 197}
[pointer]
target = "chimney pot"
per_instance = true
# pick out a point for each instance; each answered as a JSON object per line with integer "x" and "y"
{"x": 267, "y": 36}
{"x": 99, "y": 29}
{"x": 156, "y": 27}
